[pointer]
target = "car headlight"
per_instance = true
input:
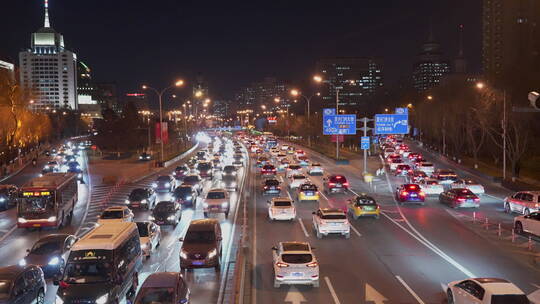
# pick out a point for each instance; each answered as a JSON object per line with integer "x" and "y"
{"x": 151, "y": 218}
{"x": 205, "y": 204}
{"x": 127, "y": 202}
{"x": 2, "y": 199}
{"x": 224, "y": 205}
{"x": 103, "y": 299}
{"x": 78, "y": 167}
{"x": 144, "y": 202}
{"x": 212, "y": 253}
{"x": 167, "y": 184}
{"x": 58, "y": 300}
{"x": 51, "y": 219}
{"x": 154, "y": 185}
{"x": 183, "y": 254}
{"x": 22, "y": 220}
{"x": 144, "y": 246}
{"x": 189, "y": 197}
{"x": 79, "y": 175}
{"x": 54, "y": 261}
{"x": 171, "y": 218}
{"x": 22, "y": 262}
{"x": 140, "y": 157}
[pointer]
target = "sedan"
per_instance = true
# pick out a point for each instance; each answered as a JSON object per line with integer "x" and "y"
{"x": 149, "y": 237}
{"x": 163, "y": 287}
{"x": 116, "y": 214}
{"x": 282, "y": 209}
{"x": 141, "y": 198}
{"x": 50, "y": 253}
{"x": 315, "y": 169}
{"x": 296, "y": 180}
{"x": 166, "y": 213}
{"x": 217, "y": 201}
{"x": 307, "y": 192}
{"x": 410, "y": 193}
{"x": 363, "y": 205}
{"x": 431, "y": 186}
{"x": 185, "y": 195}
{"x": 459, "y": 197}
{"x": 164, "y": 183}
{"x": 180, "y": 172}
{"x": 475, "y": 187}
{"x": 195, "y": 181}
{"x": 271, "y": 187}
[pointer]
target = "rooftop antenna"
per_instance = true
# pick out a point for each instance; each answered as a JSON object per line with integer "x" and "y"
{"x": 47, "y": 22}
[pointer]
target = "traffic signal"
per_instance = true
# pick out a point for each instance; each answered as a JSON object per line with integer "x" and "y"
{"x": 534, "y": 99}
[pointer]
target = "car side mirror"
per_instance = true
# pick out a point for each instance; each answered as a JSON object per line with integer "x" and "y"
{"x": 181, "y": 239}
{"x": 313, "y": 212}
{"x": 274, "y": 248}
{"x": 219, "y": 238}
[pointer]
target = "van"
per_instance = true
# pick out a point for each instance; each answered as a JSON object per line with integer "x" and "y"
{"x": 202, "y": 246}
{"x": 103, "y": 266}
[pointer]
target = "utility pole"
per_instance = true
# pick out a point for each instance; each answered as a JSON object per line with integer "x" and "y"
{"x": 504, "y": 134}
{"x": 365, "y": 129}
{"x": 337, "y": 113}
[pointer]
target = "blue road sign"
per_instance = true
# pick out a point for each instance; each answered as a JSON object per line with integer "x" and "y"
{"x": 402, "y": 111}
{"x": 391, "y": 124}
{"x": 329, "y": 111}
{"x": 339, "y": 124}
{"x": 375, "y": 139}
{"x": 364, "y": 143}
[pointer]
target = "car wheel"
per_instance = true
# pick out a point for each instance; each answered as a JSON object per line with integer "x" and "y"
{"x": 507, "y": 208}
{"x": 276, "y": 283}
{"x": 449, "y": 297}
{"x": 526, "y": 211}
{"x": 518, "y": 227}
{"x": 40, "y": 298}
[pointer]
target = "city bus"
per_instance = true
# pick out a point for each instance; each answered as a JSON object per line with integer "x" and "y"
{"x": 47, "y": 201}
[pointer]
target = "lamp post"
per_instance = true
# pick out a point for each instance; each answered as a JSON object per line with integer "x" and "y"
{"x": 296, "y": 93}
{"x": 178, "y": 83}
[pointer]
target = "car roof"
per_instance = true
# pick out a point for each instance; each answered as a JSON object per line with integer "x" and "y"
{"x": 281, "y": 199}
{"x": 498, "y": 286}
{"x": 217, "y": 190}
{"x": 331, "y": 210}
{"x": 162, "y": 279}
{"x": 116, "y": 208}
{"x": 54, "y": 237}
{"x": 202, "y": 224}
{"x": 530, "y": 192}
{"x": 11, "y": 272}
{"x": 296, "y": 246}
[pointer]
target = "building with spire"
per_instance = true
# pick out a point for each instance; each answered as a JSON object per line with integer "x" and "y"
{"x": 48, "y": 70}
{"x": 429, "y": 67}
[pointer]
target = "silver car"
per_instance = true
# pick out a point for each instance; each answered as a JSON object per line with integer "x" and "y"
{"x": 295, "y": 264}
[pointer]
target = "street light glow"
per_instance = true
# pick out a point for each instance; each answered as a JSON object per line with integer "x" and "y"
{"x": 480, "y": 85}
{"x": 295, "y": 93}
{"x": 179, "y": 83}
{"x": 429, "y": 97}
{"x": 198, "y": 94}
{"x": 276, "y": 99}
{"x": 317, "y": 78}
{"x": 144, "y": 87}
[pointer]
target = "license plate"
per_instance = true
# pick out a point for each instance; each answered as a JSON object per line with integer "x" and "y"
{"x": 160, "y": 222}
{"x": 470, "y": 201}
{"x": 309, "y": 193}
{"x": 335, "y": 224}
{"x": 214, "y": 207}
{"x": 367, "y": 208}
{"x": 338, "y": 186}
{"x": 197, "y": 263}
{"x": 413, "y": 195}
{"x": 297, "y": 274}
{"x": 36, "y": 225}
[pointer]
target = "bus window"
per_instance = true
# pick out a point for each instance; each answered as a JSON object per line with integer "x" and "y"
{"x": 36, "y": 204}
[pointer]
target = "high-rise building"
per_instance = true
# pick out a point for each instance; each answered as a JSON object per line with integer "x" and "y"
{"x": 221, "y": 108}
{"x": 263, "y": 93}
{"x": 356, "y": 78}
{"x": 511, "y": 35}
{"x": 48, "y": 70}
{"x": 429, "y": 67}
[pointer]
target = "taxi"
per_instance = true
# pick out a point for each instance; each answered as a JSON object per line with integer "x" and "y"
{"x": 307, "y": 192}
{"x": 363, "y": 205}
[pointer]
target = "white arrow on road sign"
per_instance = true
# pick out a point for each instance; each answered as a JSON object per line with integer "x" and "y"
{"x": 329, "y": 122}
{"x": 294, "y": 296}
{"x": 374, "y": 296}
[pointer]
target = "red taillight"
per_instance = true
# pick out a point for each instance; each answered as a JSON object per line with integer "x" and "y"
{"x": 312, "y": 264}
{"x": 422, "y": 193}
{"x": 398, "y": 170}
{"x": 410, "y": 171}
{"x": 461, "y": 199}
{"x": 477, "y": 199}
{"x": 282, "y": 265}
{"x": 346, "y": 184}
{"x": 404, "y": 193}
{"x": 63, "y": 284}
{"x": 331, "y": 184}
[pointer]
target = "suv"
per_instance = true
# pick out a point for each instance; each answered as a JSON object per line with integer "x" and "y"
{"x": 410, "y": 193}
{"x": 485, "y": 290}
{"x": 295, "y": 263}
{"x": 164, "y": 183}
{"x": 166, "y": 213}
{"x": 524, "y": 202}
{"x": 163, "y": 284}
{"x": 205, "y": 169}
{"x": 331, "y": 220}
{"x": 22, "y": 284}
{"x": 201, "y": 245}
{"x": 217, "y": 200}
{"x": 335, "y": 183}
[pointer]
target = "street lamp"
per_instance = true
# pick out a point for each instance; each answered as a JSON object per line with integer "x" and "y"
{"x": 178, "y": 83}
{"x": 429, "y": 97}
{"x": 297, "y": 93}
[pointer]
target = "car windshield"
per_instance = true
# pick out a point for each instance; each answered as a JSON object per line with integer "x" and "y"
{"x": 509, "y": 299}
{"x": 204, "y": 166}
{"x": 426, "y": 165}
{"x": 164, "y": 207}
{"x": 143, "y": 229}
{"x": 163, "y": 179}
{"x": 46, "y": 247}
{"x": 268, "y": 167}
{"x": 271, "y": 182}
{"x": 36, "y": 204}
{"x": 295, "y": 167}
{"x": 191, "y": 179}
{"x": 333, "y": 216}
{"x": 181, "y": 168}
{"x": 364, "y": 200}
{"x": 299, "y": 177}
{"x": 282, "y": 203}
{"x": 156, "y": 296}
{"x": 138, "y": 194}
{"x": 182, "y": 191}
{"x": 397, "y": 161}
{"x": 112, "y": 214}
{"x": 229, "y": 169}
{"x": 308, "y": 187}
{"x": 215, "y": 195}
{"x": 296, "y": 258}
{"x": 87, "y": 272}
{"x": 199, "y": 236}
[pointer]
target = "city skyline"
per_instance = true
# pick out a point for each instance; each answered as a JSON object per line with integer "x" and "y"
{"x": 193, "y": 51}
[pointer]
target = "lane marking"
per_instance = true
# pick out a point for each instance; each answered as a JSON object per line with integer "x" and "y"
{"x": 303, "y": 227}
{"x": 332, "y": 291}
{"x": 355, "y": 230}
{"x": 8, "y": 233}
{"x": 409, "y": 289}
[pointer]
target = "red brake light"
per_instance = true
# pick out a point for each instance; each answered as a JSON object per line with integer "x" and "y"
{"x": 346, "y": 184}
{"x": 282, "y": 265}
{"x": 461, "y": 199}
{"x": 63, "y": 284}
{"x": 404, "y": 193}
{"x": 412, "y": 187}
{"x": 312, "y": 264}
{"x": 477, "y": 199}
{"x": 332, "y": 184}
{"x": 422, "y": 193}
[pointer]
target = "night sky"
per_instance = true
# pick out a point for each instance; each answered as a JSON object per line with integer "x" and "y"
{"x": 233, "y": 43}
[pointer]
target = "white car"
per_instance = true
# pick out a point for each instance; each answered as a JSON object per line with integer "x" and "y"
{"x": 528, "y": 223}
{"x": 284, "y": 147}
{"x": 116, "y": 214}
{"x": 281, "y": 209}
{"x": 296, "y": 180}
{"x": 484, "y": 291}
{"x": 524, "y": 202}
{"x": 427, "y": 167}
{"x": 315, "y": 169}
{"x": 217, "y": 201}
{"x": 293, "y": 169}
{"x": 395, "y": 162}
{"x": 388, "y": 152}
{"x": 431, "y": 186}
{"x": 149, "y": 236}
{"x": 331, "y": 220}
{"x": 406, "y": 153}
{"x": 475, "y": 187}
{"x": 295, "y": 264}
